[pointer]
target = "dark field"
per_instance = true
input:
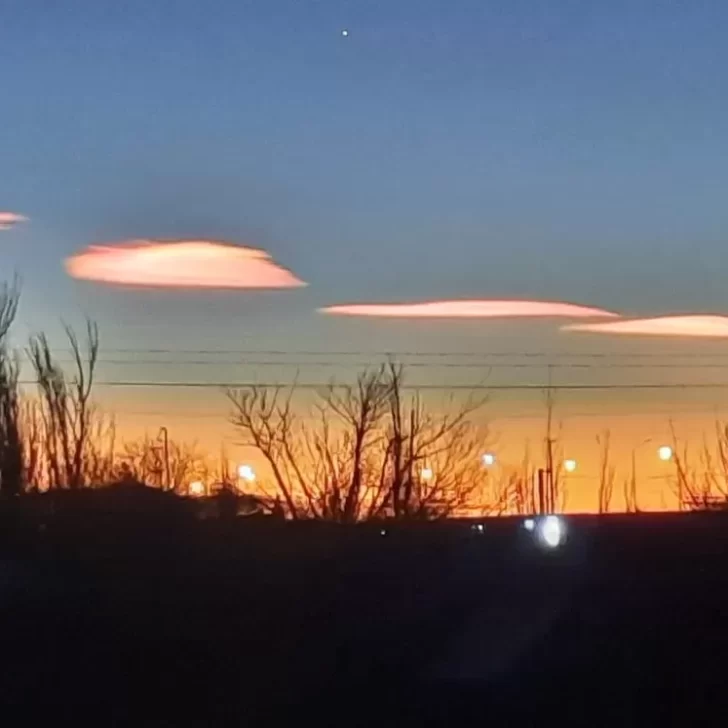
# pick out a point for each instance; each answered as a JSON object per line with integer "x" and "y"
{"x": 166, "y": 620}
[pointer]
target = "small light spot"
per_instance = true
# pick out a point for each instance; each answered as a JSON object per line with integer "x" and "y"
{"x": 345, "y": 33}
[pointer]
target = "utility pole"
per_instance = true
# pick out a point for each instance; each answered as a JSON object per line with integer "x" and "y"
{"x": 550, "y": 480}
{"x": 164, "y": 436}
{"x": 542, "y": 508}
{"x": 410, "y": 480}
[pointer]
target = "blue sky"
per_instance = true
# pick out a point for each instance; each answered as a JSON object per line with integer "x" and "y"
{"x": 568, "y": 150}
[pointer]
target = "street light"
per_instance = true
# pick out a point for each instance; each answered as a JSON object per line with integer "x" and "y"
{"x": 488, "y": 459}
{"x": 426, "y": 473}
{"x": 569, "y": 465}
{"x": 246, "y": 473}
{"x": 664, "y": 453}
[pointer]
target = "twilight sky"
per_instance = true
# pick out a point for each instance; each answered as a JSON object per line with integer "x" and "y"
{"x": 571, "y": 150}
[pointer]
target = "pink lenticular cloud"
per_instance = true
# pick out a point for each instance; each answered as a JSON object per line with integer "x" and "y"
{"x": 9, "y": 220}
{"x": 690, "y": 325}
{"x": 478, "y": 308}
{"x": 180, "y": 264}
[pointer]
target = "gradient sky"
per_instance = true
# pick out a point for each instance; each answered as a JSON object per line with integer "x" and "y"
{"x": 571, "y": 150}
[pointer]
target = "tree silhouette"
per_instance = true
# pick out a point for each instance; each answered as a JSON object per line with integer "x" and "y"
{"x": 368, "y": 454}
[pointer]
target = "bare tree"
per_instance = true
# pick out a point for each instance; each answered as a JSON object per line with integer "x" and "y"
{"x": 67, "y": 412}
{"x": 366, "y": 453}
{"x": 606, "y": 472}
{"x": 142, "y": 460}
{"x": 517, "y": 494}
{"x": 33, "y": 450}
{"x": 99, "y": 457}
{"x": 703, "y": 485}
{"x": 630, "y": 488}
{"x": 360, "y": 410}
{"x": 11, "y": 450}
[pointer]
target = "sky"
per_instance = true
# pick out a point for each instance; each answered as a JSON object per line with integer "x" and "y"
{"x": 571, "y": 150}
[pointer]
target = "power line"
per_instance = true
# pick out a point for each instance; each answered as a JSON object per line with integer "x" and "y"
{"x": 410, "y": 365}
{"x": 493, "y": 416}
{"x": 413, "y": 354}
{"x": 423, "y": 386}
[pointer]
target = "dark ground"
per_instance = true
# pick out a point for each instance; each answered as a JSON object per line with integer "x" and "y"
{"x": 119, "y": 619}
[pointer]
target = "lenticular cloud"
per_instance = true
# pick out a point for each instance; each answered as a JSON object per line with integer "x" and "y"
{"x": 691, "y": 325}
{"x": 9, "y": 220}
{"x": 479, "y": 308}
{"x": 182, "y": 264}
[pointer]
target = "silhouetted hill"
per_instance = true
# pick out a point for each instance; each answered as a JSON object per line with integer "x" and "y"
{"x": 254, "y": 618}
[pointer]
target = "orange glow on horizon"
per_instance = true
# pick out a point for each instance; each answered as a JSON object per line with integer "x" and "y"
{"x": 476, "y": 308}
{"x": 182, "y": 264}
{"x": 690, "y": 325}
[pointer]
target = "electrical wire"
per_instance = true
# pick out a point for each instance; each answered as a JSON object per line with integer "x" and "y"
{"x": 421, "y": 386}
{"x": 412, "y": 354}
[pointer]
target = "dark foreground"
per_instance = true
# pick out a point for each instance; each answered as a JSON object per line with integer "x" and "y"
{"x": 117, "y": 620}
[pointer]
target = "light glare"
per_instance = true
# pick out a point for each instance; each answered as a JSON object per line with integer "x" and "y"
{"x": 551, "y": 531}
{"x": 246, "y": 473}
{"x": 197, "y": 488}
{"x": 488, "y": 459}
{"x": 665, "y": 453}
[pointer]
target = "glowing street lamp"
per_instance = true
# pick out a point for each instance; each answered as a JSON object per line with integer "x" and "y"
{"x": 197, "y": 488}
{"x": 488, "y": 459}
{"x": 246, "y": 473}
{"x": 569, "y": 465}
{"x": 426, "y": 473}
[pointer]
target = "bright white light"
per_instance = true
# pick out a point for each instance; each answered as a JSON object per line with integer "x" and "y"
{"x": 488, "y": 459}
{"x": 478, "y": 527}
{"x": 383, "y": 532}
{"x": 426, "y": 473}
{"x": 529, "y": 524}
{"x": 569, "y": 466}
{"x": 665, "y": 453}
{"x": 197, "y": 488}
{"x": 345, "y": 33}
{"x": 551, "y": 531}
{"x": 246, "y": 473}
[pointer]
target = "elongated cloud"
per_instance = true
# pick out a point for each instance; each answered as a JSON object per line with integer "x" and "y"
{"x": 478, "y": 308}
{"x": 10, "y": 220}
{"x": 691, "y": 325}
{"x": 182, "y": 264}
